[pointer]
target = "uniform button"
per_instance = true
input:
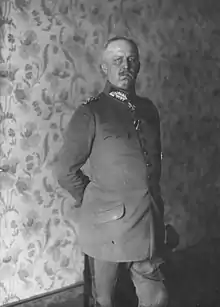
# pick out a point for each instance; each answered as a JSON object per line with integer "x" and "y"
{"x": 149, "y": 164}
{"x": 149, "y": 176}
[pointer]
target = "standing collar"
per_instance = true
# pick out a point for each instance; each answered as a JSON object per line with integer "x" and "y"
{"x": 117, "y": 93}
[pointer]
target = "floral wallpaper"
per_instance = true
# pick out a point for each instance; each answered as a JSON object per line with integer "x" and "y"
{"x": 49, "y": 55}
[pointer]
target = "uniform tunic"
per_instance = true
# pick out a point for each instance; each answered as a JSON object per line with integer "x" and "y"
{"x": 121, "y": 210}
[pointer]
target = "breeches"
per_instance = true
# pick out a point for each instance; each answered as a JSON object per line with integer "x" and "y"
{"x": 146, "y": 277}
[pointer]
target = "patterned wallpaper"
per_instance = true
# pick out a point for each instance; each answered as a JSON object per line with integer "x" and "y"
{"x": 49, "y": 65}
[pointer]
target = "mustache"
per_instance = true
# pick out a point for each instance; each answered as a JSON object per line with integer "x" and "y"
{"x": 125, "y": 73}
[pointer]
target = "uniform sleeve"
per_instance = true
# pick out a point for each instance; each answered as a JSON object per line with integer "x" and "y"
{"x": 152, "y": 150}
{"x": 76, "y": 149}
{"x": 155, "y": 157}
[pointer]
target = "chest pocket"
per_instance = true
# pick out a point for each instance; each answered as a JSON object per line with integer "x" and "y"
{"x": 117, "y": 131}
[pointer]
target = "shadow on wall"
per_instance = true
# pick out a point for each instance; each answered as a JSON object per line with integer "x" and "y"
{"x": 192, "y": 278}
{"x": 190, "y": 124}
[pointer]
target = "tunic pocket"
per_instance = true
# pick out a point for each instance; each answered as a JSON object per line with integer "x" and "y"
{"x": 104, "y": 215}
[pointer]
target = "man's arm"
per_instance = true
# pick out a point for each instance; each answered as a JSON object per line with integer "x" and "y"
{"x": 155, "y": 156}
{"x": 76, "y": 149}
{"x": 152, "y": 146}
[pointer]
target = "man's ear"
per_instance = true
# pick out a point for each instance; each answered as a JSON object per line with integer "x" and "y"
{"x": 138, "y": 67}
{"x": 104, "y": 68}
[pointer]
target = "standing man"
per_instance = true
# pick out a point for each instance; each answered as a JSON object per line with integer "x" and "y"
{"x": 121, "y": 210}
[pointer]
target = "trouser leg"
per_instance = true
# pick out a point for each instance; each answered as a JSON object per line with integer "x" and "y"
{"x": 149, "y": 284}
{"x": 87, "y": 296}
{"x": 103, "y": 280}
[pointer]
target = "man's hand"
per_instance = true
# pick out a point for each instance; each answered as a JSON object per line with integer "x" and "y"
{"x": 71, "y": 211}
{"x": 171, "y": 237}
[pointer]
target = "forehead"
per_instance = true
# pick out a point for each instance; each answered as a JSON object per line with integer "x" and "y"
{"x": 121, "y": 47}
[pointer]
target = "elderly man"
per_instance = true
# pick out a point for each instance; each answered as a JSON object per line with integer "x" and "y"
{"x": 121, "y": 209}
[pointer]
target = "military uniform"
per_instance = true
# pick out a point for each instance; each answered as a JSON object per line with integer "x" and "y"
{"x": 121, "y": 210}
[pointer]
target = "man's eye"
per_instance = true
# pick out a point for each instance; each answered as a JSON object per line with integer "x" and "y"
{"x": 117, "y": 61}
{"x": 132, "y": 60}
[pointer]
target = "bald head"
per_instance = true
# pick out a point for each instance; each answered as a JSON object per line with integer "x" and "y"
{"x": 112, "y": 43}
{"x": 120, "y": 62}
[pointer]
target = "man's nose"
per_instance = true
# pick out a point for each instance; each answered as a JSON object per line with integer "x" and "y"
{"x": 125, "y": 63}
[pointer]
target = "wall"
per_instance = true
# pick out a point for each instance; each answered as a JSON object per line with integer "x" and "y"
{"x": 49, "y": 55}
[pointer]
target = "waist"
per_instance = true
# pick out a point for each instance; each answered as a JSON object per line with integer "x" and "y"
{"x": 104, "y": 193}
{"x": 118, "y": 178}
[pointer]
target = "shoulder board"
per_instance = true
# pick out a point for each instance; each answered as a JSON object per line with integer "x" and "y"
{"x": 91, "y": 99}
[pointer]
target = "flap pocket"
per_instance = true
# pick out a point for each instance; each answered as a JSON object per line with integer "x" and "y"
{"x": 105, "y": 215}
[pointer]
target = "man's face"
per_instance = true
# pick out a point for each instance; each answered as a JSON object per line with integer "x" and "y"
{"x": 121, "y": 64}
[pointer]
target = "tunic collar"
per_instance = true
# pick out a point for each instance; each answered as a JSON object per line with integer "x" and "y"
{"x": 119, "y": 94}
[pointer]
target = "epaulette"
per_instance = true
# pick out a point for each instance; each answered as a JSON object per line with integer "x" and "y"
{"x": 91, "y": 99}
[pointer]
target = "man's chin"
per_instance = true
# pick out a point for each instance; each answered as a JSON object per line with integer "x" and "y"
{"x": 126, "y": 84}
